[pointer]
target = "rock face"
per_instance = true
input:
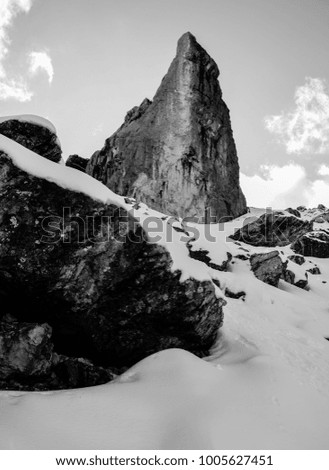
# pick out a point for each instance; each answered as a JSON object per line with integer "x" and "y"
{"x": 177, "y": 154}
{"x": 313, "y": 244}
{"x": 107, "y": 293}
{"x": 33, "y": 136}
{"x": 25, "y": 349}
{"x": 267, "y": 267}
{"x": 272, "y": 229}
{"x": 77, "y": 162}
{"x": 28, "y": 362}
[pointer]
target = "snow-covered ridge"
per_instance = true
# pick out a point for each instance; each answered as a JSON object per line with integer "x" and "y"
{"x": 74, "y": 180}
{"x": 31, "y": 118}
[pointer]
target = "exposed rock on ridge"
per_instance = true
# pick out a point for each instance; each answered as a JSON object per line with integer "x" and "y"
{"x": 177, "y": 154}
{"x": 33, "y": 136}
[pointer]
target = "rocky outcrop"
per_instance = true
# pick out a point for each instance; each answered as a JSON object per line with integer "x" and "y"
{"x": 203, "y": 255}
{"x": 35, "y": 137}
{"x": 272, "y": 229}
{"x": 289, "y": 276}
{"x": 315, "y": 244}
{"x": 25, "y": 349}
{"x": 314, "y": 271}
{"x": 297, "y": 259}
{"x": 177, "y": 154}
{"x": 77, "y": 162}
{"x": 267, "y": 267}
{"x": 28, "y": 360}
{"x": 294, "y": 212}
{"x": 90, "y": 273}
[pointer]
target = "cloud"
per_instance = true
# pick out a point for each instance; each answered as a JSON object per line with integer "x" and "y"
{"x": 11, "y": 88}
{"x": 41, "y": 61}
{"x": 287, "y": 186}
{"x": 323, "y": 170}
{"x": 306, "y": 128}
{"x": 15, "y": 90}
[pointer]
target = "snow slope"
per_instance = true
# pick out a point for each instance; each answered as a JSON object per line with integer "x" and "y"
{"x": 264, "y": 386}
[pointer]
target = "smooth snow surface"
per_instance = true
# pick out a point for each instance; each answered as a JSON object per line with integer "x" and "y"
{"x": 265, "y": 385}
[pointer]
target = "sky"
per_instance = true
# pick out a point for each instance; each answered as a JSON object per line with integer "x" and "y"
{"x": 84, "y": 63}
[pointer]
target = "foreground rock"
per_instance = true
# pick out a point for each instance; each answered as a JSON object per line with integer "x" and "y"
{"x": 36, "y": 137}
{"x": 177, "y": 154}
{"x": 315, "y": 243}
{"x": 89, "y": 272}
{"x": 28, "y": 360}
{"x": 25, "y": 349}
{"x": 267, "y": 267}
{"x": 272, "y": 229}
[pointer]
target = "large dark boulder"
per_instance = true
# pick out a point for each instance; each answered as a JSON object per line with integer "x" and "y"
{"x": 267, "y": 267}
{"x": 88, "y": 270}
{"x": 177, "y": 154}
{"x": 272, "y": 229}
{"x": 315, "y": 243}
{"x": 34, "y": 136}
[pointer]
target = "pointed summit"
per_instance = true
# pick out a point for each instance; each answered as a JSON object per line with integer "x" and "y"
{"x": 185, "y": 42}
{"x": 177, "y": 154}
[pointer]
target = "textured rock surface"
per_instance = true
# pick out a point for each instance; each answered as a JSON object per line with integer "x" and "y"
{"x": 313, "y": 244}
{"x": 290, "y": 276}
{"x": 294, "y": 212}
{"x": 35, "y": 137}
{"x": 77, "y": 162}
{"x": 272, "y": 229}
{"x": 71, "y": 372}
{"x": 177, "y": 154}
{"x": 267, "y": 267}
{"x": 107, "y": 293}
{"x": 25, "y": 349}
{"x": 28, "y": 360}
{"x": 297, "y": 259}
{"x": 314, "y": 271}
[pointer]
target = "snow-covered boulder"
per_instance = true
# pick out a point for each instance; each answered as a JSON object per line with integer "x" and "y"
{"x": 86, "y": 266}
{"x": 272, "y": 229}
{"x": 35, "y": 133}
{"x": 315, "y": 244}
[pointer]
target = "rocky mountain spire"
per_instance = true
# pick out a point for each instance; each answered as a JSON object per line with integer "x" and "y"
{"x": 177, "y": 154}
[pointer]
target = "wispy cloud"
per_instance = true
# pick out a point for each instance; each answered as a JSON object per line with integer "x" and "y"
{"x": 41, "y": 61}
{"x": 286, "y": 186}
{"x": 306, "y": 128}
{"x": 9, "y": 87}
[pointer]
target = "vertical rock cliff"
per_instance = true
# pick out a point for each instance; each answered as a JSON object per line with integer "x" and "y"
{"x": 177, "y": 154}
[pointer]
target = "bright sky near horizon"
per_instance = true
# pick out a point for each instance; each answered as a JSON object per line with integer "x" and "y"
{"x": 84, "y": 63}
